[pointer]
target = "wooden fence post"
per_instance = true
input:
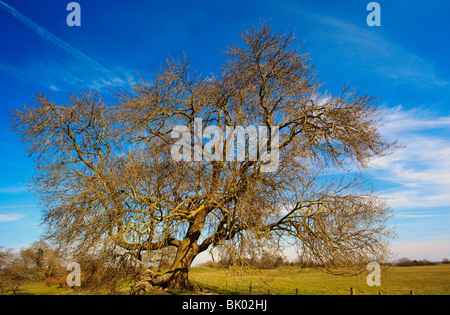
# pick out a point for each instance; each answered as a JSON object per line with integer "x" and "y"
{"x": 352, "y": 291}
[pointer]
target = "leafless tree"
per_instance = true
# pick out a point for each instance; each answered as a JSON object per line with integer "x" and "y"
{"x": 13, "y": 272}
{"x": 106, "y": 175}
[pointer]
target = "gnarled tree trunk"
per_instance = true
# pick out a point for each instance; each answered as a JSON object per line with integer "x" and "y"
{"x": 177, "y": 276}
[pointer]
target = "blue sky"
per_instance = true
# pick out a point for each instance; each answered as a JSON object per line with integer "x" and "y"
{"x": 404, "y": 62}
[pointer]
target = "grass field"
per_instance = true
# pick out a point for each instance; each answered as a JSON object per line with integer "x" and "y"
{"x": 38, "y": 288}
{"x": 290, "y": 280}
{"x": 423, "y": 280}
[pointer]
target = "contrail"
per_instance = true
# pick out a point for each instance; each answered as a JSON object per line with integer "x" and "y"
{"x": 45, "y": 34}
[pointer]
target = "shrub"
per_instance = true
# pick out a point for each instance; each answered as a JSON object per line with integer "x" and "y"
{"x": 63, "y": 283}
{"x": 49, "y": 281}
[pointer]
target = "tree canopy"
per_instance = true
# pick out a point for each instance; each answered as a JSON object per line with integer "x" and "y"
{"x": 107, "y": 177}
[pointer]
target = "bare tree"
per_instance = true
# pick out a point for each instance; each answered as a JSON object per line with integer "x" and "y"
{"x": 107, "y": 177}
{"x": 13, "y": 272}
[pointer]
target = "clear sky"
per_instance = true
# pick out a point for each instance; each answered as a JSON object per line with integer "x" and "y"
{"x": 405, "y": 62}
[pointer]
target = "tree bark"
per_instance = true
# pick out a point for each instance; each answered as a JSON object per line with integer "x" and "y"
{"x": 177, "y": 276}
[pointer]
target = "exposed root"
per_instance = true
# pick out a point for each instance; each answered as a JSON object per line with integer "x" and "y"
{"x": 174, "y": 281}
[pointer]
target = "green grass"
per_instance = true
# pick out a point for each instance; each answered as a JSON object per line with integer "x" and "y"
{"x": 39, "y": 288}
{"x": 286, "y": 280}
{"x": 423, "y": 280}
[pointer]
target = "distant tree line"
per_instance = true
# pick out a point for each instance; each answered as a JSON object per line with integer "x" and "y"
{"x": 406, "y": 262}
{"x": 274, "y": 261}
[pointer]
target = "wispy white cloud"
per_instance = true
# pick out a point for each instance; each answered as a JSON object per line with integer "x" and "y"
{"x": 11, "y": 217}
{"x": 421, "y": 169}
{"x": 415, "y": 215}
{"x": 389, "y": 59}
{"x": 372, "y": 53}
{"x": 399, "y": 120}
{"x": 95, "y": 76}
{"x": 47, "y": 35}
{"x": 403, "y": 198}
{"x": 57, "y": 75}
{"x": 13, "y": 189}
{"x": 17, "y": 206}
